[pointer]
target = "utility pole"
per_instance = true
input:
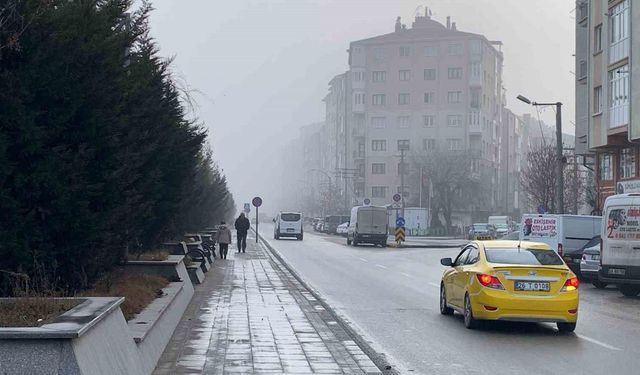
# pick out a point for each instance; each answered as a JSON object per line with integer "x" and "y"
{"x": 560, "y": 161}
{"x": 402, "y": 168}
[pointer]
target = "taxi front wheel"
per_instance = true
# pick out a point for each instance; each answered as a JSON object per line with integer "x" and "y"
{"x": 566, "y": 327}
{"x": 444, "y": 309}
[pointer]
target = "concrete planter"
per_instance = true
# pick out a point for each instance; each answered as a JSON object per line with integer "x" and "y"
{"x": 94, "y": 338}
{"x": 195, "y": 274}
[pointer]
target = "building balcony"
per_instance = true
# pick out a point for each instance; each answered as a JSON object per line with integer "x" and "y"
{"x": 475, "y": 80}
{"x": 475, "y": 129}
{"x": 358, "y": 108}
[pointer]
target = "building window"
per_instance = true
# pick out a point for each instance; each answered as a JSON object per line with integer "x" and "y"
{"x": 404, "y": 121}
{"x": 361, "y": 170}
{"x": 429, "y": 74}
{"x": 454, "y": 73}
{"x": 358, "y": 98}
{"x": 403, "y": 99}
{"x": 378, "y": 99}
{"x": 428, "y": 121}
{"x": 619, "y": 96}
{"x": 403, "y": 144}
{"x": 454, "y": 97}
{"x": 378, "y": 191}
{"x": 476, "y": 69}
{"x": 361, "y": 150}
{"x": 582, "y": 10}
{"x": 454, "y": 144}
{"x": 619, "y": 27}
{"x": 429, "y": 144}
{"x": 454, "y": 120}
{"x": 606, "y": 167}
{"x": 474, "y": 118}
{"x": 597, "y": 38}
{"x": 430, "y": 51}
{"x": 475, "y": 98}
{"x": 627, "y": 163}
{"x": 379, "y": 122}
{"x": 428, "y": 98}
{"x": 404, "y": 75}
{"x": 378, "y": 53}
{"x": 405, "y": 51}
{"x": 597, "y": 100}
{"x": 378, "y": 145}
{"x": 379, "y": 76}
{"x": 582, "y": 69}
{"x": 455, "y": 49}
{"x": 358, "y": 76}
{"x": 476, "y": 47}
{"x": 378, "y": 168}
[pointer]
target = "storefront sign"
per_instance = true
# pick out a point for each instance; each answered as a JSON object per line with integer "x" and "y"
{"x": 625, "y": 187}
{"x": 541, "y": 227}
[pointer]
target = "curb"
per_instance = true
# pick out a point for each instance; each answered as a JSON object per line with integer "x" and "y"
{"x": 377, "y": 358}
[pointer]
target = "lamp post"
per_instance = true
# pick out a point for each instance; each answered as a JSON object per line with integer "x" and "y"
{"x": 559, "y": 156}
{"x": 330, "y": 186}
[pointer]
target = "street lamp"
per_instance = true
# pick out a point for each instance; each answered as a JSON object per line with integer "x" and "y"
{"x": 330, "y": 188}
{"x": 559, "y": 155}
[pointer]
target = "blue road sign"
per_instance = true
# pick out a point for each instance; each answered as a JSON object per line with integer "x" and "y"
{"x": 400, "y": 221}
{"x": 541, "y": 209}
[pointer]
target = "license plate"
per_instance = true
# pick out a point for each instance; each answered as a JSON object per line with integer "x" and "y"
{"x": 289, "y": 229}
{"x": 595, "y": 257}
{"x": 532, "y": 286}
{"x": 484, "y": 238}
{"x": 617, "y": 271}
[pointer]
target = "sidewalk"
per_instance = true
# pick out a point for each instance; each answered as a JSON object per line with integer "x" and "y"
{"x": 251, "y": 316}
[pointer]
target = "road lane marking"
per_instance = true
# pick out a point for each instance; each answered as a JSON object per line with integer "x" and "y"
{"x": 364, "y": 260}
{"x": 594, "y": 341}
{"x": 381, "y": 266}
{"x": 407, "y": 275}
{"x": 435, "y": 285}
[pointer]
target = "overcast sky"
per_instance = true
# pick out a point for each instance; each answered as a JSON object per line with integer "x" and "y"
{"x": 261, "y": 67}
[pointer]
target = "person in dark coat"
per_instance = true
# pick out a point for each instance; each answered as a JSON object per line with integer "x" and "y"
{"x": 242, "y": 227}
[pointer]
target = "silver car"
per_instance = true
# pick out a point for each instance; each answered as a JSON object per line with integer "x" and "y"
{"x": 590, "y": 263}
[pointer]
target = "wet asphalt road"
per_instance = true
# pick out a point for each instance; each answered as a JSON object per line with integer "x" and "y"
{"x": 391, "y": 297}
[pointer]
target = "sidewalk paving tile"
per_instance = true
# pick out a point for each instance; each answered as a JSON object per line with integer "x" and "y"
{"x": 251, "y": 316}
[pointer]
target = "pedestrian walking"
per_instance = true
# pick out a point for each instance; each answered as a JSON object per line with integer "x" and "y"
{"x": 223, "y": 238}
{"x": 242, "y": 227}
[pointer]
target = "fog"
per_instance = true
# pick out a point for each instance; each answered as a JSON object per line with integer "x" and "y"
{"x": 259, "y": 69}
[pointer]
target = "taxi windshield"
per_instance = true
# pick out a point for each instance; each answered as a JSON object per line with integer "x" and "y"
{"x": 523, "y": 256}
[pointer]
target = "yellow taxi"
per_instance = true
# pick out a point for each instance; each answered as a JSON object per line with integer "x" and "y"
{"x": 511, "y": 281}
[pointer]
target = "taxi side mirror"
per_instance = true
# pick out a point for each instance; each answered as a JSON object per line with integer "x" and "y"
{"x": 446, "y": 262}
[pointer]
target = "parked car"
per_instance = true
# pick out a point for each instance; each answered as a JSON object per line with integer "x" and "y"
{"x": 619, "y": 260}
{"x": 331, "y": 223}
{"x": 368, "y": 224}
{"x": 590, "y": 264}
{"x": 482, "y": 231}
{"x": 288, "y": 224}
{"x": 343, "y": 229}
{"x": 513, "y": 236}
{"x": 503, "y": 224}
{"x": 573, "y": 258}
{"x": 319, "y": 225}
{"x": 510, "y": 280}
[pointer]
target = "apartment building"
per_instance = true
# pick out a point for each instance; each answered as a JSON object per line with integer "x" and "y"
{"x": 607, "y": 124}
{"x": 422, "y": 88}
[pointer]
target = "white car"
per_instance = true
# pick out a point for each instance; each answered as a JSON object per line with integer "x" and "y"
{"x": 343, "y": 229}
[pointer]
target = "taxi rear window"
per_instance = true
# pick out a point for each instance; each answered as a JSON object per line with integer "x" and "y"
{"x": 523, "y": 256}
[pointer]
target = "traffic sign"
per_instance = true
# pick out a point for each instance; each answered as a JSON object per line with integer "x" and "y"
{"x": 397, "y": 197}
{"x": 247, "y": 207}
{"x": 399, "y": 221}
{"x": 257, "y": 202}
{"x": 396, "y": 206}
{"x": 541, "y": 209}
{"x": 367, "y": 201}
{"x": 400, "y": 235}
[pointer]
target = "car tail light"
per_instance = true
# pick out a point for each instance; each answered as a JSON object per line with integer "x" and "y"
{"x": 571, "y": 284}
{"x": 490, "y": 281}
{"x": 600, "y": 251}
{"x": 573, "y": 311}
{"x": 560, "y": 249}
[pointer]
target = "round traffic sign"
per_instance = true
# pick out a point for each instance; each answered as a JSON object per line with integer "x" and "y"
{"x": 397, "y": 197}
{"x": 367, "y": 201}
{"x": 257, "y": 202}
{"x": 400, "y": 222}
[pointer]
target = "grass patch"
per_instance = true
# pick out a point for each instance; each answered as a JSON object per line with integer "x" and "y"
{"x": 139, "y": 290}
{"x": 33, "y": 311}
{"x": 155, "y": 255}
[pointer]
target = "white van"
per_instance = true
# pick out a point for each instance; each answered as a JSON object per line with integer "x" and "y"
{"x": 564, "y": 233}
{"x": 288, "y": 224}
{"x": 620, "y": 246}
{"x": 368, "y": 224}
{"x": 503, "y": 224}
